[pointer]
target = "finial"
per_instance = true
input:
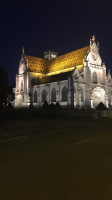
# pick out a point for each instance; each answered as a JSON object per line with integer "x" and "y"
{"x": 93, "y": 38}
{"x": 108, "y": 71}
{"x": 75, "y": 65}
{"x": 23, "y": 50}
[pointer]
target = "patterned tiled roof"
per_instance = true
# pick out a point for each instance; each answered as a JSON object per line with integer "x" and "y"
{"x": 35, "y": 64}
{"x": 66, "y": 61}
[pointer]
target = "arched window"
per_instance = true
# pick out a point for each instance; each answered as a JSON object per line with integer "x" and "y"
{"x": 22, "y": 85}
{"x": 64, "y": 93}
{"x": 43, "y": 95}
{"x": 38, "y": 97}
{"x": 82, "y": 94}
{"x": 53, "y": 95}
{"x": 94, "y": 77}
{"x": 35, "y": 97}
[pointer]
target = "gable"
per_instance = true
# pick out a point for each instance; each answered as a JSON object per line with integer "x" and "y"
{"x": 93, "y": 57}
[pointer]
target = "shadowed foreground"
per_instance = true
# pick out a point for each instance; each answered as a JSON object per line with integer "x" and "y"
{"x": 55, "y": 159}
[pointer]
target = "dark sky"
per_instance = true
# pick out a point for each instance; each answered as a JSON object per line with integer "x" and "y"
{"x": 58, "y": 25}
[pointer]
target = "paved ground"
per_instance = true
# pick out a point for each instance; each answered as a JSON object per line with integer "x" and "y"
{"x": 55, "y": 159}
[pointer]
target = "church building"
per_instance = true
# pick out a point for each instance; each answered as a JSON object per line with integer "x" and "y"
{"x": 76, "y": 80}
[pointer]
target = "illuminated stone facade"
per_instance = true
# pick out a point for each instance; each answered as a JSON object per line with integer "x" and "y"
{"x": 77, "y": 79}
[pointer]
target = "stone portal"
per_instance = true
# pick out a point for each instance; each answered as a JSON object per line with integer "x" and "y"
{"x": 98, "y": 95}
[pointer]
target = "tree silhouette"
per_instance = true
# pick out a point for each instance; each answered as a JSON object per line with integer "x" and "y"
{"x": 5, "y": 89}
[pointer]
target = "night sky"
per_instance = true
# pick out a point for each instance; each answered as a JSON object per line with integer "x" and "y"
{"x": 56, "y": 25}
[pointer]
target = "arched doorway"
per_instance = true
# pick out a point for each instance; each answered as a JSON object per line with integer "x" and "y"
{"x": 19, "y": 101}
{"x": 98, "y": 95}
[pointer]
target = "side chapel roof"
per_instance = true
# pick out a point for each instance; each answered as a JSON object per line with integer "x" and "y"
{"x": 65, "y": 62}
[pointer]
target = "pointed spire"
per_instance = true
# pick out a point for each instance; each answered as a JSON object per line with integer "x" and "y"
{"x": 93, "y": 38}
{"x": 23, "y": 50}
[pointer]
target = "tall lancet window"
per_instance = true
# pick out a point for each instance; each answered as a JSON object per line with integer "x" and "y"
{"x": 22, "y": 85}
{"x": 64, "y": 94}
{"x": 53, "y": 95}
{"x": 38, "y": 97}
{"x": 82, "y": 94}
{"x": 94, "y": 77}
{"x": 35, "y": 97}
{"x": 43, "y": 95}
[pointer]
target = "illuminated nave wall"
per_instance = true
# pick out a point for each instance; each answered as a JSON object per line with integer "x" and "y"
{"x": 77, "y": 79}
